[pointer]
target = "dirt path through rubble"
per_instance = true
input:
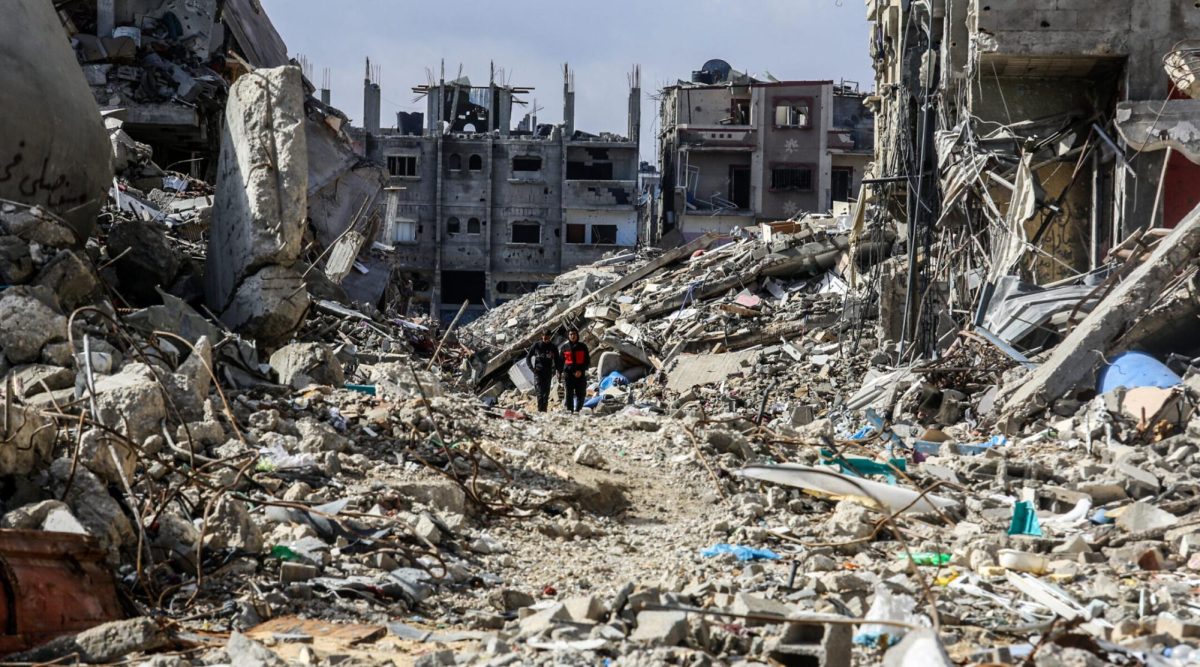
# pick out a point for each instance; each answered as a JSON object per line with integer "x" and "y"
{"x": 649, "y": 510}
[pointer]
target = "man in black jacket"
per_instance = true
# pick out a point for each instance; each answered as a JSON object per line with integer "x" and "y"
{"x": 544, "y": 361}
{"x": 575, "y": 361}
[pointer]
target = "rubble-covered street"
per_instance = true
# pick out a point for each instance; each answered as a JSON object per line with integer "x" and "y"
{"x": 950, "y": 421}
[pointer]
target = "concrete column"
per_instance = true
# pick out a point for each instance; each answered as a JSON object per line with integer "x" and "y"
{"x": 568, "y": 102}
{"x": 635, "y": 106}
{"x": 106, "y": 17}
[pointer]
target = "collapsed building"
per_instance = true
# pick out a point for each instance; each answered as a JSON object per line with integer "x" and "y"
{"x": 735, "y": 150}
{"x": 862, "y": 438}
{"x": 478, "y": 211}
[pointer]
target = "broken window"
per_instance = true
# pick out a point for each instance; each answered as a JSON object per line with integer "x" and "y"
{"x": 739, "y": 111}
{"x": 402, "y": 165}
{"x": 576, "y": 233}
{"x": 604, "y": 234}
{"x": 455, "y": 162}
{"x": 589, "y": 171}
{"x": 452, "y": 226}
{"x": 526, "y": 231}
{"x": 792, "y": 178}
{"x": 475, "y": 163}
{"x": 527, "y": 163}
{"x": 792, "y": 113}
{"x": 473, "y": 226}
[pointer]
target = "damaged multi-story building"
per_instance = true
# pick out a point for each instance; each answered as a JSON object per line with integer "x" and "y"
{"x": 479, "y": 211}
{"x": 735, "y": 150}
{"x": 1034, "y": 137}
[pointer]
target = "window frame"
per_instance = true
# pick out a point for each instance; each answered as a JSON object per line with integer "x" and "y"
{"x": 454, "y": 162}
{"x": 792, "y": 102}
{"x": 583, "y": 233}
{"x": 798, "y": 166}
{"x": 592, "y": 234}
{"x": 515, "y": 171}
{"x": 474, "y": 159}
{"x": 453, "y": 220}
{"x": 405, "y": 157}
{"x": 478, "y": 226}
{"x": 524, "y": 222}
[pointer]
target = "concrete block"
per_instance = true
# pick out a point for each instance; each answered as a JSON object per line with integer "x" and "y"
{"x": 586, "y": 609}
{"x": 269, "y": 305}
{"x": 607, "y": 363}
{"x": 28, "y": 443}
{"x": 36, "y": 308}
{"x": 301, "y": 364}
{"x": 662, "y": 628}
{"x": 131, "y": 402}
{"x": 262, "y": 182}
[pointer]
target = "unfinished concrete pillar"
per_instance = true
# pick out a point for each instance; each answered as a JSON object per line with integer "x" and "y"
{"x": 568, "y": 102}
{"x": 261, "y": 207}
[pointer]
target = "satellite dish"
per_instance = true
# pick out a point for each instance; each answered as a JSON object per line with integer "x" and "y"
{"x": 718, "y": 70}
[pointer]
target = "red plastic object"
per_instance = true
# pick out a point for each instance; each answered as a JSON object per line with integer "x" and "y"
{"x": 51, "y": 584}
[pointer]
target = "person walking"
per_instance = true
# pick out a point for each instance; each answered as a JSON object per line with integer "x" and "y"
{"x": 544, "y": 361}
{"x": 575, "y": 361}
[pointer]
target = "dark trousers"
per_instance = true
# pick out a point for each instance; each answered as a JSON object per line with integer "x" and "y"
{"x": 543, "y": 389}
{"x": 576, "y": 390}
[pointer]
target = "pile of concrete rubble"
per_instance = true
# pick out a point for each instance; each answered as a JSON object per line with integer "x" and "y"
{"x": 214, "y": 454}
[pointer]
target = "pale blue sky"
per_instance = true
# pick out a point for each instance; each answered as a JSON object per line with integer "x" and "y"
{"x": 791, "y": 39}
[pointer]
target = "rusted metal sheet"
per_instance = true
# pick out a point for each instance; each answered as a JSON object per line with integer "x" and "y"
{"x": 52, "y": 584}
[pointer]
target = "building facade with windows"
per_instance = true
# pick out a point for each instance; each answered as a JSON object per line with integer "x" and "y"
{"x": 479, "y": 211}
{"x": 735, "y": 150}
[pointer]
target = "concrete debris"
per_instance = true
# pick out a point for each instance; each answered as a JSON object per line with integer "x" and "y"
{"x": 231, "y": 381}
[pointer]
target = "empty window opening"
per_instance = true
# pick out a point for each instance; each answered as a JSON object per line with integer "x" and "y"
{"x": 475, "y": 163}
{"x": 402, "y": 165}
{"x": 454, "y": 162}
{"x": 841, "y": 182}
{"x": 576, "y": 233}
{"x": 740, "y": 111}
{"x": 604, "y": 234}
{"x": 791, "y": 178}
{"x": 516, "y": 287}
{"x": 526, "y": 231}
{"x": 473, "y": 226}
{"x": 452, "y": 226}
{"x": 792, "y": 114}
{"x": 460, "y": 286}
{"x": 589, "y": 171}
{"x": 527, "y": 163}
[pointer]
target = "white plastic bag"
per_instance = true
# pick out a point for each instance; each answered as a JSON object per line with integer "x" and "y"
{"x": 886, "y": 606}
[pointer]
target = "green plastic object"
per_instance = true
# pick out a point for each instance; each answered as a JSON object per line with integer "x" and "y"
{"x": 929, "y": 558}
{"x": 1024, "y": 520}
{"x": 283, "y": 553}
{"x": 368, "y": 389}
{"x": 862, "y": 467}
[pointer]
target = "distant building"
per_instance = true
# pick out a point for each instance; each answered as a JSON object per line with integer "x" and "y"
{"x": 735, "y": 150}
{"x": 480, "y": 212}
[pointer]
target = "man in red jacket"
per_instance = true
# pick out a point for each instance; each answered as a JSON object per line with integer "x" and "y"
{"x": 575, "y": 361}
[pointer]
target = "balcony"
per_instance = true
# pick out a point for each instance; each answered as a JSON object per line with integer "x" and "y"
{"x": 729, "y": 138}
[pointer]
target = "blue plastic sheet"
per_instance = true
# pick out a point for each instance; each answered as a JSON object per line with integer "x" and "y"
{"x": 742, "y": 553}
{"x": 613, "y": 379}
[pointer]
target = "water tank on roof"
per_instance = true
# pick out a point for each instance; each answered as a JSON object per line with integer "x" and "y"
{"x": 718, "y": 70}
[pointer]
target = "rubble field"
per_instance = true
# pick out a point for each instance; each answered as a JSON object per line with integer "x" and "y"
{"x": 213, "y": 455}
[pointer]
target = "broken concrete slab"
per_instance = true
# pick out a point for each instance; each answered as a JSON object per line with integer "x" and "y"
{"x": 72, "y": 278}
{"x": 269, "y": 305}
{"x": 1075, "y": 360}
{"x": 42, "y": 322}
{"x": 262, "y": 183}
{"x": 28, "y": 440}
{"x": 144, "y": 259}
{"x": 131, "y": 402}
{"x": 53, "y": 146}
{"x": 1153, "y": 125}
{"x": 92, "y": 505}
{"x": 102, "y": 644}
{"x": 301, "y": 364}
{"x": 664, "y": 628}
